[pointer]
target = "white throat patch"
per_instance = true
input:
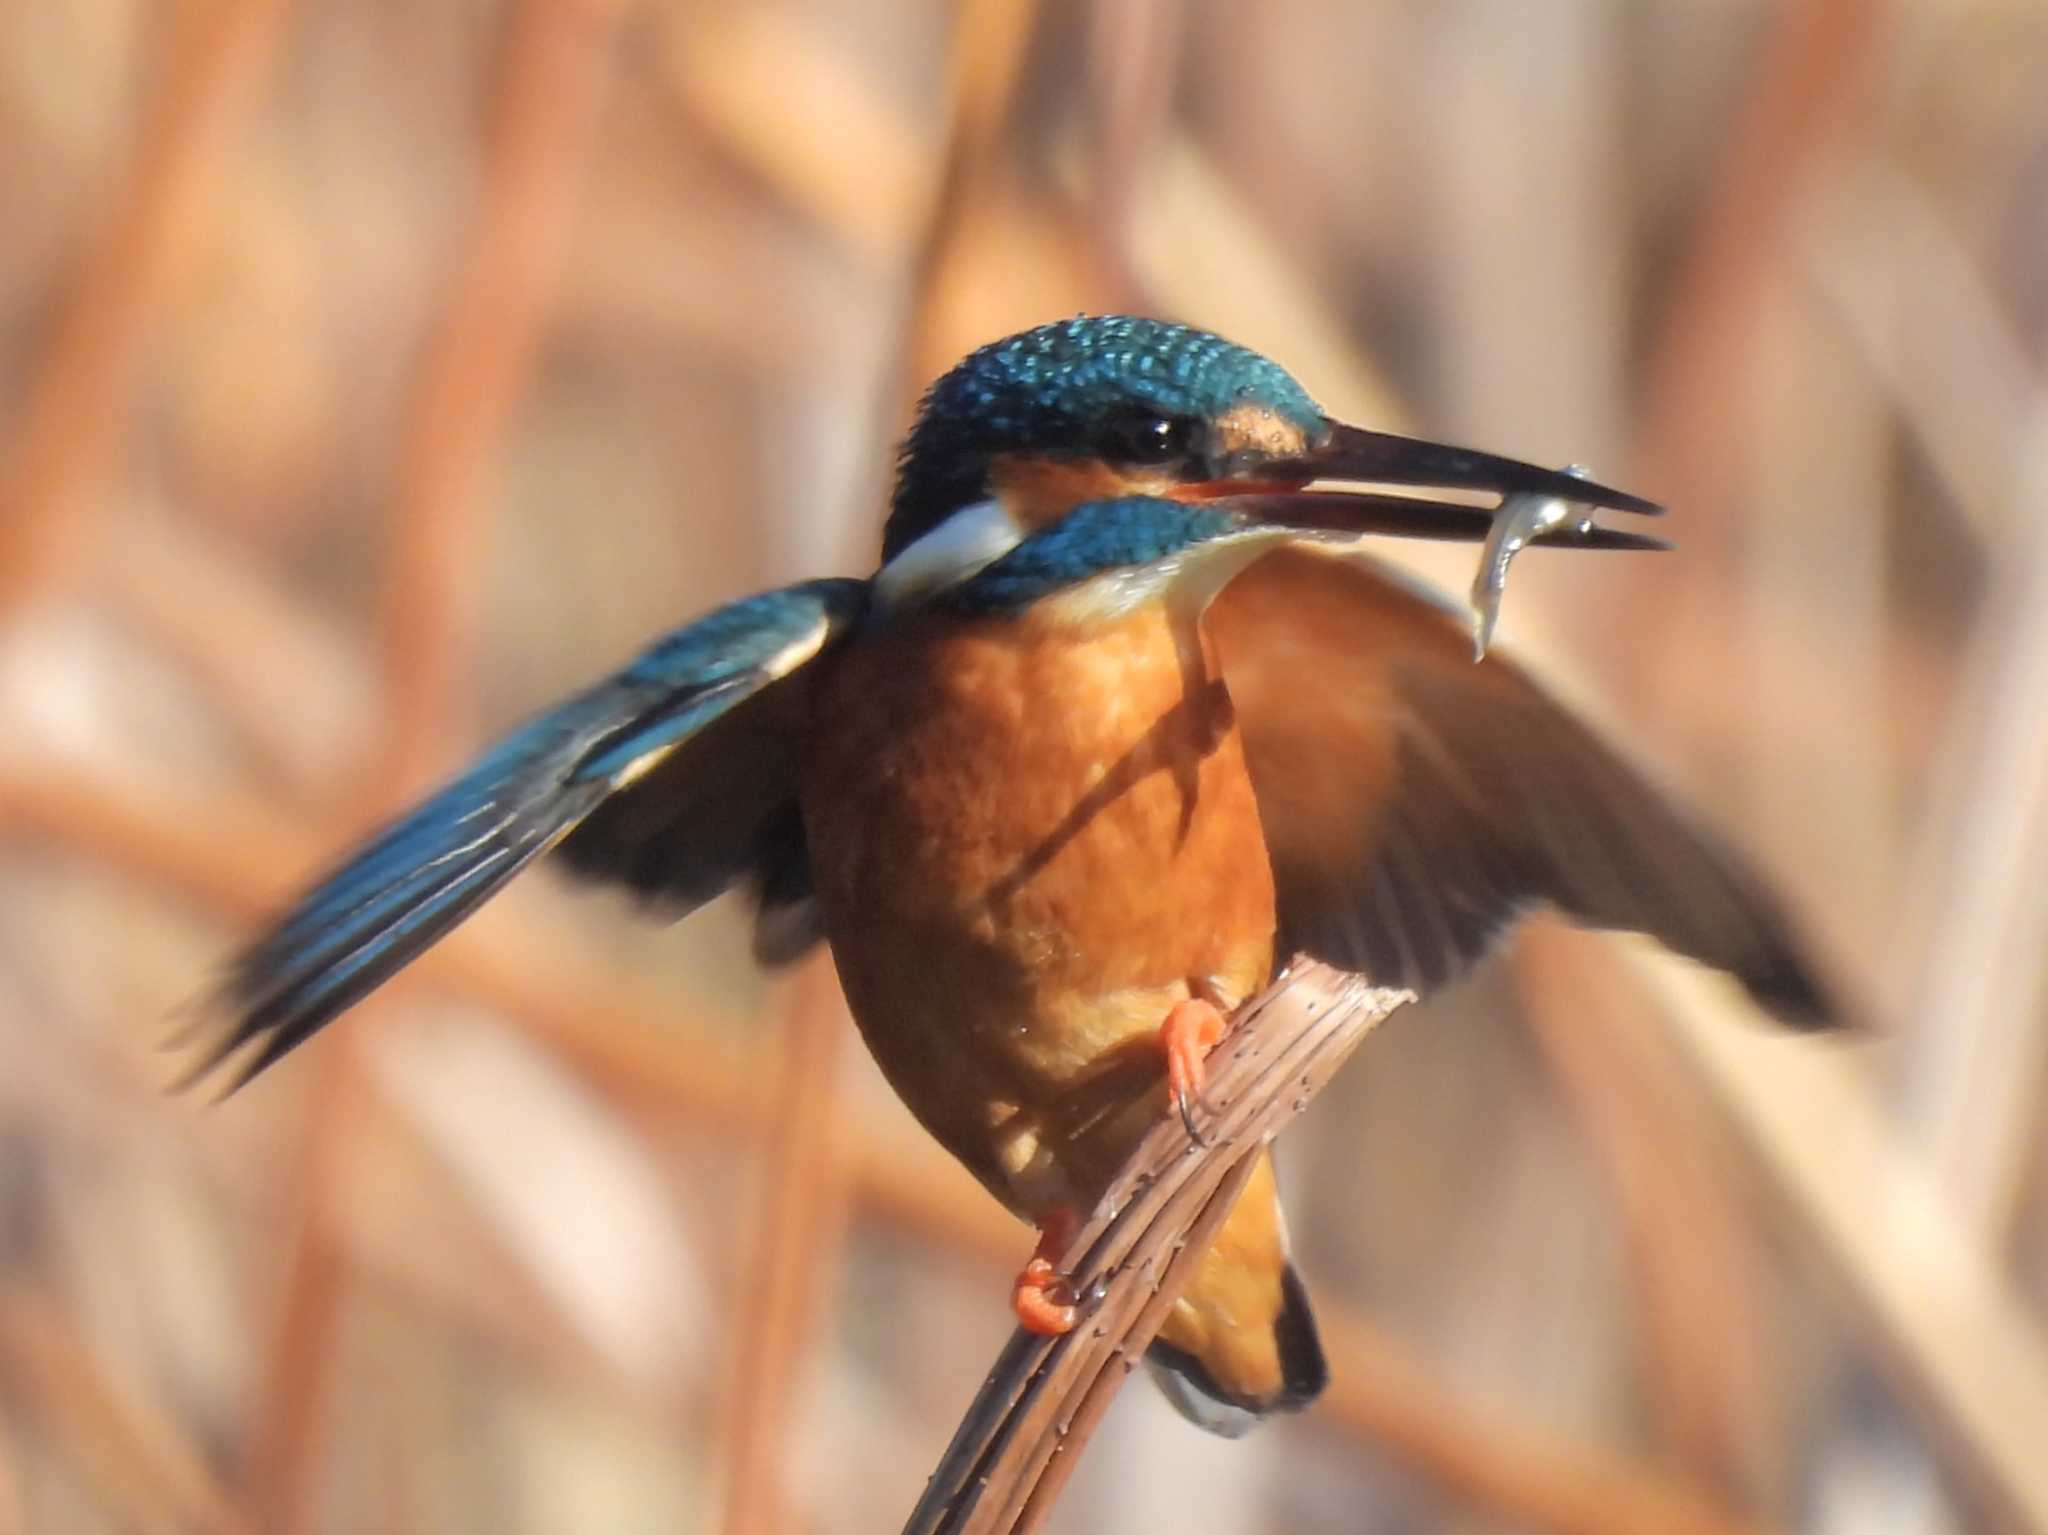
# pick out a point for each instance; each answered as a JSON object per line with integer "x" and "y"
{"x": 1187, "y": 581}
{"x": 968, "y": 541}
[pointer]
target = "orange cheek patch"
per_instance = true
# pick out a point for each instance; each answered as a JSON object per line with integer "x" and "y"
{"x": 1255, "y": 429}
{"x": 1036, "y": 491}
{"x": 1039, "y": 491}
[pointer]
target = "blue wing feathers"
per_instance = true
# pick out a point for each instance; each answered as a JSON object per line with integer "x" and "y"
{"x": 431, "y": 868}
{"x": 620, "y": 749}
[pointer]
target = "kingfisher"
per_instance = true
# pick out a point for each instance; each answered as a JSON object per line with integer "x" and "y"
{"x": 1126, "y": 716}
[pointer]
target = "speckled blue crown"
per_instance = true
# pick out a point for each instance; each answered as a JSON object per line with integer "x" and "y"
{"x": 1043, "y": 389}
{"x": 1045, "y": 382}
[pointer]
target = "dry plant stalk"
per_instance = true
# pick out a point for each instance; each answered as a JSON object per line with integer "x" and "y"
{"x": 126, "y": 1447}
{"x": 558, "y": 61}
{"x": 73, "y": 415}
{"x": 1026, "y": 1428}
{"x": 797, "y": 1244}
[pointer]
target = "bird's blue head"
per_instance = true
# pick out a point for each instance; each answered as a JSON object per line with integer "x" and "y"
{"x": 1133, "y": 411}
{"x": 1090, "y": 409}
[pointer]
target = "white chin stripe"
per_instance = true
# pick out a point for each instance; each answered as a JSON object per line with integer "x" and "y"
{"x": 976, "y": 536}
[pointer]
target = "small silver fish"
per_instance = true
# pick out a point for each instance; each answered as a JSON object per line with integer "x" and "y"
{"x": 1522, "y": 519}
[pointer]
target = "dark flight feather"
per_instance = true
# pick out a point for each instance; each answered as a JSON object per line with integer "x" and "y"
{"x": 1417, "y": 803}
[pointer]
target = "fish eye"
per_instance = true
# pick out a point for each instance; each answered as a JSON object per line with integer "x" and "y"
{"x": 1144, "y": 437}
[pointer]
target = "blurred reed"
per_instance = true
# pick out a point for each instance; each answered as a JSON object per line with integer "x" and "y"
{"x": 372, "y": 372}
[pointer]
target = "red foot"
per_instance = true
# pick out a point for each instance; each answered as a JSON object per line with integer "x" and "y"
{"x": 1190, "y": 1032}
{"x": 1043, "y": 1297}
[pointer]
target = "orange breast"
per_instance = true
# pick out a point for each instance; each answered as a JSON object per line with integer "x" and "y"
{"x": 1028, "y": 842}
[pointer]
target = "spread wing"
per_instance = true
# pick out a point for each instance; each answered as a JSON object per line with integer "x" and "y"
{"x": 672, "y": 776}
{"x": 1416, "y": 803}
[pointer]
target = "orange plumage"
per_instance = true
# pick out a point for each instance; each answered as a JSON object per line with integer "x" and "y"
{"x": 989, "y": 798}
{"x": 1029, "y": 842}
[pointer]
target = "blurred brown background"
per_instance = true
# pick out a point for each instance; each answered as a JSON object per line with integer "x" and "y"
{"x": 373, "y": 371}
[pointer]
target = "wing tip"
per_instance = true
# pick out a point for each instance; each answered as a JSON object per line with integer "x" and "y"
{"x": 203, "y": 1035}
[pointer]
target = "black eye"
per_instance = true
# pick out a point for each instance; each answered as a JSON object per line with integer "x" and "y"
{"x": 1143, "y": 438}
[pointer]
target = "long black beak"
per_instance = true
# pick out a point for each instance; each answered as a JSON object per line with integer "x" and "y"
{"x": 1536, "y": 506}
{"x": 1353, "y": 455}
